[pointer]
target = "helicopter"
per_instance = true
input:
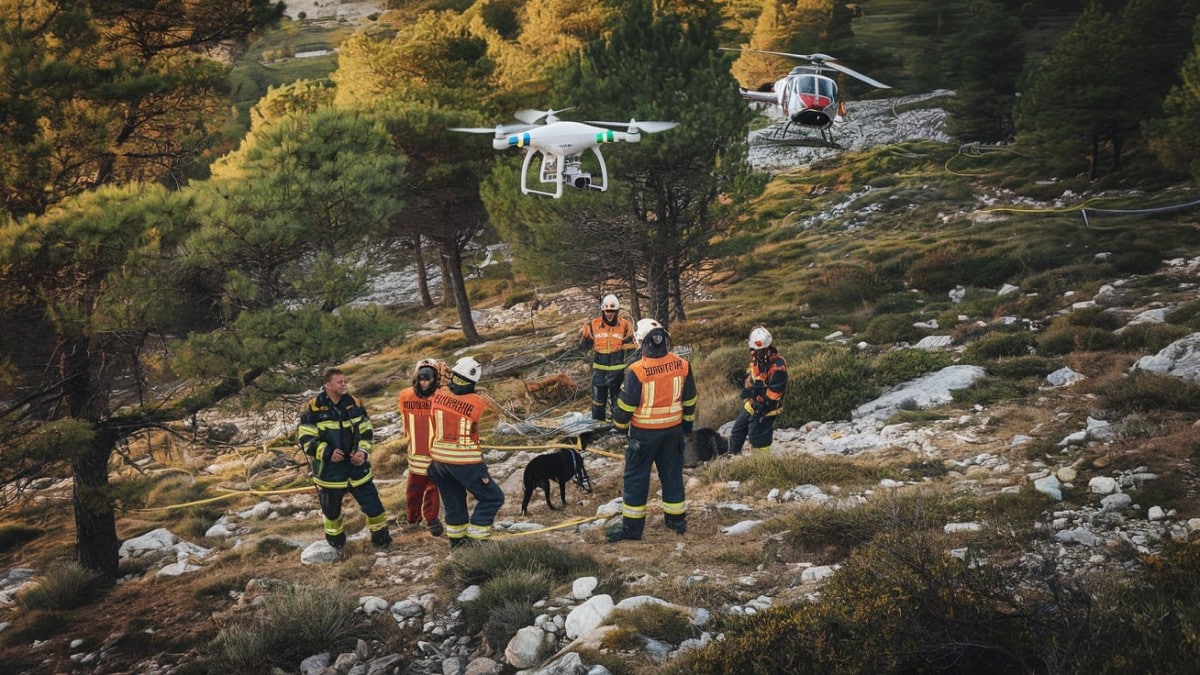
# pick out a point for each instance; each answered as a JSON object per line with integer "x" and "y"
{"x": 561, "y": 144}
{"x": 807, "y": 97}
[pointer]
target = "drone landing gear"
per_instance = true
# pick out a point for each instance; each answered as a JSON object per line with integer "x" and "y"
{"x": 558, "y": 169}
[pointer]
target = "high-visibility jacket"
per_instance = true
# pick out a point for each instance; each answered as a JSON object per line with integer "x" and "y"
{"x": 658, "y": 393}
{"x": 765, "y": 383}
{"x": 610, "y": 344}
{"x": 416, "y": 415}
{"x": 326, "y": 426}
{"x": 456, "y": 427}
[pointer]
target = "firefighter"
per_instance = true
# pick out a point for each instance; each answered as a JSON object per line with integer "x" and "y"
{"x": 763, "y": 385}
{"x": 610, "y": 338}
{"x": 335, "y": 432}
{"x": 657, "y": 405}
{"x": 458, "y": 467}
{"x": 415, "y": 403}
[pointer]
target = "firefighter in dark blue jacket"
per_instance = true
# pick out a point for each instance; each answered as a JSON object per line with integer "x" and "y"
{"x": 762, "y": 386}
{"x": 657, "y": 405}
{"x": 335, "y": 432}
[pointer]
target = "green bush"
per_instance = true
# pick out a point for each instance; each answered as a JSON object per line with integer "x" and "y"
{"x": 480, "y": 564}
{"x": 999, "y": 345}
{"x": 13, "y": 535}
{"x": 1136, "y": 261}
{"x": 901, "y": 365}
{"x": 827, "y": 386}
{"x": 1149, "y": 338}
{"x": 991, "y": 389}
{"x": 505, "y": 603}
{"x": 1094, "y": 317}
{"x": 660, "y": 622}
{"x": 295, "y": 622}
{"x": 887, "y": 329}
{"x": 1023, "y": 366}
{"x": 845, "y": 286}
{"x": 1057, "y": 341}
{"x": 1150, "y": 392}
{"x": 786, "y": 471}
{"x": 66, "y": 585}
{"x": 1187, "y": 314}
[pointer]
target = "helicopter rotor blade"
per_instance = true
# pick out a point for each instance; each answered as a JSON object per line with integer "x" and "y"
{"x": 650, "y": 127}
{"x": 806, "y": 57}
{"x": 531, "y": 116}
{"x": 854, "y": 73}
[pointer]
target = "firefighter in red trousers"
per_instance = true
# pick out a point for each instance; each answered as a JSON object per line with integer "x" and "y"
{"x": 658, "y": 406}
{"x": 609, "y": 336}
{"x": 416, "y": 413}
{"x": 458, "y": 466}
{"x": 763, "y": 385}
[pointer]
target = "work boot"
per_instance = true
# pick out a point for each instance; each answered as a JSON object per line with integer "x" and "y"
{"x": 436, "y": 529}
{"x": 630, "y": 529}
{"x": 676, "y": 522}
{"x": 381, "y": 538}
{"x": 336, "y": 540}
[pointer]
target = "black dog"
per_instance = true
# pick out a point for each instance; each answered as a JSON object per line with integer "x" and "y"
{"x": 703, "y": 445}
{"x": 562, "y": 466}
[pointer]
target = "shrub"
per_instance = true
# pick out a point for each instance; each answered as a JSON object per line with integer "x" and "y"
{"x": 787, "y": 471}
{"x": 1094, "y": 317}
{"x": 13, "y": 535}
{"x": 844, "y": 285}
{"x": 478, "y": 565}
{"x": 891, "y": 328}
{"x": 1150, "y": 392}
{"x": 67, "y": 585}
{"x": 1023, "y": 366}
{"x": 1136, "y": 261}
{"x": 1187, "y": 314}
{"x": 1148, "y": 338}
{"x": 902, "y": 365}
{"x": 660, "y": 622}
{"x": 999, "y": 345}
{"x": 991, "y": 389}
{"x": 505, "y": 605}
{"x": 295, "y": 622}
{"x": 828, "y": 386}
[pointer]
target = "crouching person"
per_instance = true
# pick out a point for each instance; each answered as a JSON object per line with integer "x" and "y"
{"x": 457, "y": 467}
{"x": 335, "y": 432}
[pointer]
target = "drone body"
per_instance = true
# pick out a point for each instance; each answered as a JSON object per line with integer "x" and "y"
{"x": 561, "y": 145}
{"x": 808, "y": 98}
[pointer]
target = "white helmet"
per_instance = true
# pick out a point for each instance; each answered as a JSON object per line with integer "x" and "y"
{"x": 644, "y": 326}
{"x": 760, "y": 338}
{"x": 610, "y": 303}
{"x": 468, "y": 368}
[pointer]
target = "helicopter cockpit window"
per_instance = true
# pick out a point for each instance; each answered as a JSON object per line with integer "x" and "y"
{"x": 827, "y": 88}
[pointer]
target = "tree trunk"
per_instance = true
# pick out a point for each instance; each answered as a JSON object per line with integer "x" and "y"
{"x": 635, "y": 302}
{"x": 96, "y": 540}
{"x": 657, "y": 281}
{"x": 447, "y": 282}
{"x": 1117, "y": 142}
{"x": 422, "y": 277}
{"x": 678, "y": 312}
{"x": 456, "y": 286}
{"x": 1094, "y": 158}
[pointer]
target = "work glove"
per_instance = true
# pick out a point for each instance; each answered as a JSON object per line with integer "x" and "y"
{"x": 758, "y": 389}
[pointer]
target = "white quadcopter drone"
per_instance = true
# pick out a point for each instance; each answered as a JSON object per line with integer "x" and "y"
{"x": 561, "y": 144}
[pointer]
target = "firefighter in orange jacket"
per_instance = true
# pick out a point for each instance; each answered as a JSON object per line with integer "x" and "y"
{"x": 416, "y": 413}
{"x": 458, "y": 467}
{"x": 658, "y": 406}
{"x": 609, "y": 336}
{"x": 763, "y": 386}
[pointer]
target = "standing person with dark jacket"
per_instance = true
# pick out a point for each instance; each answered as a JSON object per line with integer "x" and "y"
{"x": 458, "y": 467}
{"x": 416, "y": 415}
{"x": 335, "y": 432}
{"x": 610, "y": 338}
{"x": 763, "y": 385}
{"x": 658, "y": 406}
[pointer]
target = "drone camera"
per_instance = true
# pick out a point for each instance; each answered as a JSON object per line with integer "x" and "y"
{"x": 582, "y": 181}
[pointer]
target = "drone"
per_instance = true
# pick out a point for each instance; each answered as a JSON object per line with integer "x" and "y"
{"x": 561, "y": 144}
{"x": 808, "y": 98}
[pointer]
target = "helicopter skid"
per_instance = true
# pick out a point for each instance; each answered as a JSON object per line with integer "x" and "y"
{"x": 777, "y": 136}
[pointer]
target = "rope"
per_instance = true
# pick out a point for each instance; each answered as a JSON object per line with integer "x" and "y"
{"x": 569, "y": 523}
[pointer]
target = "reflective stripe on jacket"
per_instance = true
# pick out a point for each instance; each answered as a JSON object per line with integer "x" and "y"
{"x": 609, "y": 343}
{"x": 456, "y": 427}
{"x": 416, "y": 414}
{"x": 326, "y": 426}
{"x": 658, "y": 393}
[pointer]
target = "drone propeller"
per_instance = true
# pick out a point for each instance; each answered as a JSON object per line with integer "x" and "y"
{"x": 530, "y": 116}
{"x": 499, "y": 130}
{"x": 820, "y": 61}
{"x": 633, "y": 126}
